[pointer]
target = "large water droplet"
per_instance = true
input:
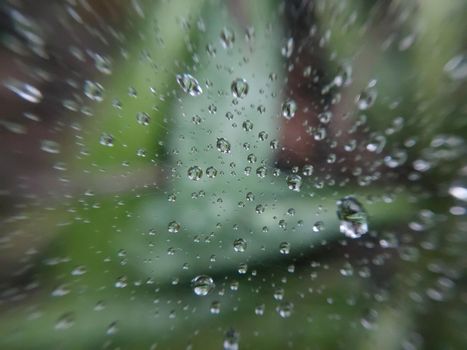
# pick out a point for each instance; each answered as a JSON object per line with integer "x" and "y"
{"x": 202, "y": 285}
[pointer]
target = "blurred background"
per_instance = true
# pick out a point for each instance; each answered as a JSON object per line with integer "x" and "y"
{"x": 173, "y": 172}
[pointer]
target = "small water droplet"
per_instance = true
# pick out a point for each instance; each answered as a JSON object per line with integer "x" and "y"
{"x": 173, "y": 227}
{"x": 94, "y": 91}
{"x": 223, "y": 145}
{"x": 143, "y": 118}
{"x": 195, "y": 173}
{"x": 353, "y": 217}
{"x": 231, "y": 340}
{"x": 456, "y": 67}
{"x": 285, "y": 309}
{"x": 239, "y": 88}
{"x": 227, "y": 38}
{"x": 189, "y": 84}
{"x": 284, "y": 248}
{"x": 288, "y": 109}
{"x": 50, "y": 146}
{"x": 240, "y": 245}
{"x": 294, "y": 182}
{"x": 366, "y": 98}
{"x": 106, "y": 139}
{"x": 25, "y": 91}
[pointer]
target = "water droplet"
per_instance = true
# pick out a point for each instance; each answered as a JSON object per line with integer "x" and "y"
{"x": 195, "y": 173}
{"x": 94, "y": 91}
{"x": 239, "y": 88}
{"x": 121, "y": 282}
{"x": 25, "y": 91}
{"x": 223, "y": 145}
{"x": 189, "y": 84}
{"x": 65, "y": 321}
{"x": 106, "y": 139}
{"x": 456, "y": 67}
{"x": 247, "y": 125}
{"x": 397, "y": 158}
{"x": 50, "y": 146}
{"x": 211, "y": 172}
{"x": 202, "y": 285}
{"x": 353, "y": 217}
{"x": 318, "y": 226}
{"x": 112, "y": 328}
{"x": 227, "y": 38}
{"x": 143, "y": 118}
{"x": 294, "y": 182}
{"x": 240, "y": 245}
{"x": 173, "y": 227}
{"x": 242, "y": 268}
{"x": 288, "y": 109}
{"x": 261, "y": 172}
{"x": 215, "y": 307}
{"x": 307, "y": 170}
{"x": 285, "y": 309}
{"x": 287, "y": 49}
{"x": 284, "y": 248}
{"x": 231, "y": 340}
{"x": 103, "y": 64}
{"x": 366, "y": 98}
